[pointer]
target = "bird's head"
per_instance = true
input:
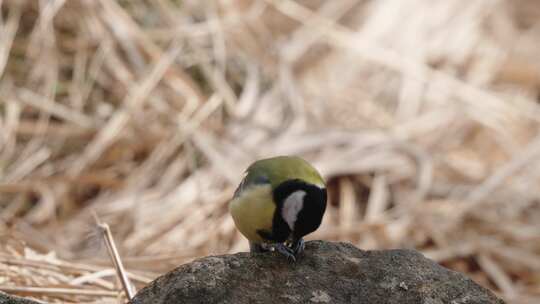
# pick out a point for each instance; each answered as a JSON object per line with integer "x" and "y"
{"x": 298, "y": 190}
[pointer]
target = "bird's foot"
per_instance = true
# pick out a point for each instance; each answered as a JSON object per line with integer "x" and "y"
{"x": 286, "y": 251}
{"x": 298, "y": 247}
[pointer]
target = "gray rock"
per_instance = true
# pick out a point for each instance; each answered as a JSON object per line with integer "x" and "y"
{"x": 8, "y": 299}
{"x": 326, "y": 273}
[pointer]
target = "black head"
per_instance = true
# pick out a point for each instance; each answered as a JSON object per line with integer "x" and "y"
{"x": 308, "y": 216}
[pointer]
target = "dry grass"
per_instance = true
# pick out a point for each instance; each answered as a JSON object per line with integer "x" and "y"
{"x": 422, "y": 114}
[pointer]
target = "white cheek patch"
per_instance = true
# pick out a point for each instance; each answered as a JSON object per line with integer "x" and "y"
{"x": 291, "y": 206}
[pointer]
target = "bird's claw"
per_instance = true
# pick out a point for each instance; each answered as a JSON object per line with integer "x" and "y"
{"x": 286, "y": 251}
{"x": 298, "y": 247}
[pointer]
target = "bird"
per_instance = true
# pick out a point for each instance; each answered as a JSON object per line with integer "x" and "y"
{"x": 278, "y": 202}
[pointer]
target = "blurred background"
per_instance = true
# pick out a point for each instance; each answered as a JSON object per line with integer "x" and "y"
{"x": 422, "y": 115}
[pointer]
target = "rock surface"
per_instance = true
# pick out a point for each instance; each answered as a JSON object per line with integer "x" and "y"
{"x": 326, "y": 273}
{"x": 8, "y": 299}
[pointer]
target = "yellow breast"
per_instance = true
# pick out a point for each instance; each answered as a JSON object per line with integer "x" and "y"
{"x": 253, "y": 210}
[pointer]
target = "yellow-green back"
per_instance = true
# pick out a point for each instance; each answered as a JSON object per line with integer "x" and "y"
{"x": 281, "y": 168}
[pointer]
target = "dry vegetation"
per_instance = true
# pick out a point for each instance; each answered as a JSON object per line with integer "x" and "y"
{"x": 422, "y": 114}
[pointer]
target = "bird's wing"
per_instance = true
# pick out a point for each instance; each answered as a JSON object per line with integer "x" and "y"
{"x": 248, "y": 181}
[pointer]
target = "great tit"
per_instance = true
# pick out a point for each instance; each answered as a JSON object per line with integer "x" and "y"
{"x": 279, "y": 201}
